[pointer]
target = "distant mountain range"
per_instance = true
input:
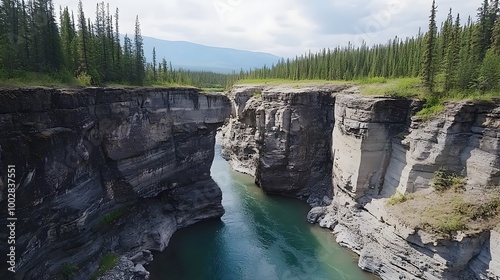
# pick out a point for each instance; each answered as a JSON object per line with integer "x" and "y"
{"x": 193, "y": 56}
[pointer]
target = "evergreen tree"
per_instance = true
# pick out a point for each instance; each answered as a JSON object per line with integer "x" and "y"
{"x": 446, "y": 37}
{"x": 495, "y": 39}
{"x": 155, "y": 75}
{"x": 482, "y": 36}
{"x": 452, "y": 56}
{"x": 466, "y": 69}
{"x": 117, "y": 50}
{"x": 139, "y": 59}
{"x": 489, "y": 73}
{"x": 429, "y": 67}
{"x": 127, "y": 60}
{"x": 83, "y": 41}
{"x": 68, "y": 37}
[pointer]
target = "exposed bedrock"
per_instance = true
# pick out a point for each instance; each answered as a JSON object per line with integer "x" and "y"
{"x": 288, "y": 137}
{"x": 364, "y": 129}
{"x": 105, "y": 170}
{"x": 282, "y": 136}
{"x": 381, "y": 150}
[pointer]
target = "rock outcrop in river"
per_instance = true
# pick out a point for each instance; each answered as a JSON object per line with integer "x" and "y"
{"x": 379, "y": 151}
{"x": 282, "y": 136}
{"x": 102, "y": 171}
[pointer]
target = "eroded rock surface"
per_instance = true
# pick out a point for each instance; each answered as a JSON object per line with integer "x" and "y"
{"x": 105, "y": 170}
{"x": 282, "y": 136}
{"x": 364, "y": 129}
{"x": 379, "y": 150}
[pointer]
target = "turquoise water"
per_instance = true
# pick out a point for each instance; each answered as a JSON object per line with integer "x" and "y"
{"x": 259, "y": 237}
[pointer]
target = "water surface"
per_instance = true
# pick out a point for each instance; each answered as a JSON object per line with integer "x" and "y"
{"x": 259, "y": 237}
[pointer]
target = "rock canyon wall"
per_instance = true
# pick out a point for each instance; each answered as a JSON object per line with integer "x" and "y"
{"x": 306, "y": 141}
{"x": 103, "y": 170}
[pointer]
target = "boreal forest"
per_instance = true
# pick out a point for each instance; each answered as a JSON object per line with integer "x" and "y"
{"x": 458, "y": 54}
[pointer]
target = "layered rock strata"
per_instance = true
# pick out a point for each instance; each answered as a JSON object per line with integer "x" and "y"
{"x": 376, "y": 150}
{"x": 103, "y": 170}
{"x": 381, "y": 150}
{"x": 282, "y": 136}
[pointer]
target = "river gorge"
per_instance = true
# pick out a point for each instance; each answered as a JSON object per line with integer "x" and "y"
{"x": 259, "y": 237}
{"x": 119, "y": 173}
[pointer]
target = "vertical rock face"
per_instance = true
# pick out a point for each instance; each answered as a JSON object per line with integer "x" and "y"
{"x": 464, "y": 139}
{"x": 105, "y": 170}
{"x": 282, "y": 136}
{"x": 242, "y": 134}
{"x": 380, "y": 150}
{"x": 362, "y": 137}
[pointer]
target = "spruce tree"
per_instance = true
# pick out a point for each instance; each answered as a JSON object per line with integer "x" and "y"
{"x": 155, "y": 75}
{"x": 489, "y": 73}
{"x": 83, "y": 40}
{"x": 482, "y": 36}
{"x": 429, "y": 64}
{"x": 139, "y": 59}
{"x": 495, "y": 39}
{"x": 127, "y": 60}
{"x": 68, "y": 36}
{"x": 452, "y": 56}
{"x": 446, "y": 37}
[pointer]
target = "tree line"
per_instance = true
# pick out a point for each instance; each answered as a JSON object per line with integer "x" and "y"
{"x": 455, "y": 57}
{"x": 76, "y": 47}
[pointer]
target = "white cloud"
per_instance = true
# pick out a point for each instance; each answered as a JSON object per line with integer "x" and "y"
{"x": 282, "y": 27}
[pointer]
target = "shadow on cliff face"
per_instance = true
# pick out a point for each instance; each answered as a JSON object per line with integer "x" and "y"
{"x": 103, "y": 170}
{"x": 282, "y": 137}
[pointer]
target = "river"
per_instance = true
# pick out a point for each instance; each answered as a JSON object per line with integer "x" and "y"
{"x": 260, "y": 237}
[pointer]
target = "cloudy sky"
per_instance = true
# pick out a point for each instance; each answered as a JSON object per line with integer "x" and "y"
{"x": 281, "y": 27}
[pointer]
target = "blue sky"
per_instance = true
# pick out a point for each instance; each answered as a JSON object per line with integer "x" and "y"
{"x": 281, "y": 27}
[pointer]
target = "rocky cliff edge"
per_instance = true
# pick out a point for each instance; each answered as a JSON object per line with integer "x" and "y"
{"x": 281, "y": 135}
{"x": 103, "y": 172}
{"x": 381, "y": 162}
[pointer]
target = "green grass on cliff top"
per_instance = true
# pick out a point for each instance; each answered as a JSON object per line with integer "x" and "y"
{"x": 401, "y": 87}
{"x": 298, "y": 83}
{"x": 447, "y": 212}
{"x": 33, "y": 79}
{"x": 59, "y": 80}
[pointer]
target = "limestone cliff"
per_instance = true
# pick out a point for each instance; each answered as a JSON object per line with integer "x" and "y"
{"x": 282, "y": 136}
{"x": 103, "y": 170}
{"x": 378, "y": 149}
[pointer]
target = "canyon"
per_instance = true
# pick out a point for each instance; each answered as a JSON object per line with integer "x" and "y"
{"x": 103, "y": 171}
{"x": 371, "y": 149}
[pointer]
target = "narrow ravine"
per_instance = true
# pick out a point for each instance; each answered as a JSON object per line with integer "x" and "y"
{"x": 259, "y": 237}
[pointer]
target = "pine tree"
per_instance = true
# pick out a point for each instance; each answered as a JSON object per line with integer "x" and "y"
{"x": 489, "y": 73}
{"x": 117, "y": 50}
{"x": 452, "y": 56}
{"x": 495, "y": 39}
{"x": 482, "y": 36}
{"x": 466, "y": 66}
{"x": 101, "y": 46}
{"x": 493, "y": 14}
{"x": 25, "y": 37}
{"x": 155, "y": 75}
{"x": 139, "y": 54}
{"x": 83, "y": 41}
{"x": 127, "y": 60}
{"x": 68, "y": 37}
{"x": 429, "y": 66}
{"x": 446, "y": 37}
